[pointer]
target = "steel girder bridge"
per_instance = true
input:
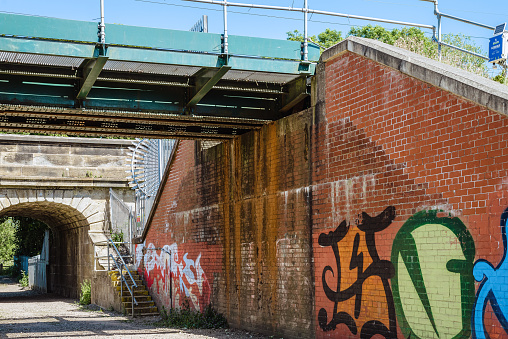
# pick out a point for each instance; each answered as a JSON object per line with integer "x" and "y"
{"x": 56, "y": 77}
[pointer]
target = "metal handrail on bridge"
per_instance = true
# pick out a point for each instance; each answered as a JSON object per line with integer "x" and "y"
{"x": 436, "y": 33}
{"x": 119, "y": 267}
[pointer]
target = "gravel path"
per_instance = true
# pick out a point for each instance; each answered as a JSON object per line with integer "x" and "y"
{"x": 28, "y": 314}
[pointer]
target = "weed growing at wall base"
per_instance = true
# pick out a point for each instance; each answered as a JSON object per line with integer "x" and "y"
{"x": 86, "y": 293}
{"x": 24, "y": 279}
{"x": 187, "y": 318}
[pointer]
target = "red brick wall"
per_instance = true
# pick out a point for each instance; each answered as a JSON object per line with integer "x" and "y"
{"x": 378, "y": 213}
{"x": 432, "y": 168}
{"x": 243, "y": 209}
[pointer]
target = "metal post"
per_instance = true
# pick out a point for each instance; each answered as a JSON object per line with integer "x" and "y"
{"x": 121, "y": 285}
{"x": 205, "y": 23}
{"x": 109, "y": 266}
{"x": 305, "y": 33}
{"x": 103, "y": 29}
{"x": 436, "y": 11}
{"x": 161, "y": 159}
{"x": 170, "y": 279}
{"x": 225, "y": 6}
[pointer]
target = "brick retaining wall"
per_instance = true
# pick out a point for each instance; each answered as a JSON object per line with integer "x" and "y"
{"x": 381, "y": 211}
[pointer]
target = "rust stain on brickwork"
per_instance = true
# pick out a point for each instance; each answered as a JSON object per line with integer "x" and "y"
{"x": 226, "y": 220}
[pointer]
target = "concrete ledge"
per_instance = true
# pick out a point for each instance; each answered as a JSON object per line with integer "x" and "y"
{"x": 44, "y": 182}
{"x": 485, "y": 92}
{"x": 62, "y": 140}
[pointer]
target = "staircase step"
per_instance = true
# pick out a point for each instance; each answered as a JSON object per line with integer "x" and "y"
{"x": 124, "y": 272}
{"x": 118, "y": 282}
{"x": 143, "y": 310}
{"x": 139, "y": 298}
{"x": 126, "y": 293}
{"x": 141, "y": 304}
{"x": 146, "y": 306}
{"x": 124, "y": 288}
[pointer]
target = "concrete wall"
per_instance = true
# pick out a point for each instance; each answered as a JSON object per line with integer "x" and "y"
{"x": 380, "y": 212}
{"x": 58, "y": 157}
{"x": 104, "y": 293}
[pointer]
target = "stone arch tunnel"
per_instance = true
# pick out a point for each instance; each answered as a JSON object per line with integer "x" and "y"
{"x": 49, "y": 179}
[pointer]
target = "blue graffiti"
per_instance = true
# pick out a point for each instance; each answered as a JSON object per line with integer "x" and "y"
{"x": 493, "y": 288}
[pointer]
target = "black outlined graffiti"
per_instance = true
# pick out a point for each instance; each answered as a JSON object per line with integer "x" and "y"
{"x": 379, "y": 268}
{"x": 492, "y": 288}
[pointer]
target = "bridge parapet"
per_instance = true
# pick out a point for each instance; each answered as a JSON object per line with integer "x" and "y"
{"x": 47, "y": 161}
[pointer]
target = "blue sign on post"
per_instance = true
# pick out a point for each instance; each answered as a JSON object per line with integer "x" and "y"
{"x": 497, "y": 46}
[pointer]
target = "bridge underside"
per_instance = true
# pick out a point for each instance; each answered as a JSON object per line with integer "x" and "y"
{"x": 56, "y": 78}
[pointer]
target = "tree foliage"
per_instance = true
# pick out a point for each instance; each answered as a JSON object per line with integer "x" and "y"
{"x": 7, "y": 244}
{"x": 325, "y": 39}
{"x": 29, "y": 236}
{"x": 414, "y": 40}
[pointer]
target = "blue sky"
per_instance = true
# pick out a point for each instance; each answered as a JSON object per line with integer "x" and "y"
{"x": 177, "y": 14}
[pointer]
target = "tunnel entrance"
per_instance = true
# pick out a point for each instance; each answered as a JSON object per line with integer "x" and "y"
{"x": 70, "y": 249}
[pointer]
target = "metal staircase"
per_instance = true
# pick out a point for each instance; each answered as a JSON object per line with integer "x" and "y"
{"x": 144, "y": 305}
{"x": 126, "y": 281}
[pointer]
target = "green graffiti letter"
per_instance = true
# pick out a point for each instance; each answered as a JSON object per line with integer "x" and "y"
{"x": 433, "y": 286}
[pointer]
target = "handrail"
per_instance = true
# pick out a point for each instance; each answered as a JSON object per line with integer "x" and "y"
{"x": 123, "y": 262}
{"x": 120, "y": 269}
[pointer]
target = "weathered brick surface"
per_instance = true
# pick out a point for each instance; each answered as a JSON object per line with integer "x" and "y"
{"x": 378, "y": 213}
{"x": 242, "y": 211}
{"x": 437, "y": 163}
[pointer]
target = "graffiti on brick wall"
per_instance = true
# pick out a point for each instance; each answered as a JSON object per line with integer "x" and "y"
{"x": 431, "y": 280}
{"x": 433, "y": 260}
{"x": 175, "y": 275}
{"x": 377, "y": 268}
{"x": 493, "y": 288}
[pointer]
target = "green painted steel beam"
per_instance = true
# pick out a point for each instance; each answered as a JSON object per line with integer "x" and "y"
{"x": 47, "y": 47}
{"x": 123, "y": 35}
{"x": 86, "y": 51}
{"x": 297, "y": 92}
{"x": 208, "y": 83}
{"x": 92, "y": 71}
{"x": 70, "y": 38}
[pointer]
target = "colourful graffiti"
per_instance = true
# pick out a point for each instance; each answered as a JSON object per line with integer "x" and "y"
{"x": 437, "y": 273}
{"x": 176, "y": 277}
{"x": 377, "y": 268}
{"x": 493, "y": 289}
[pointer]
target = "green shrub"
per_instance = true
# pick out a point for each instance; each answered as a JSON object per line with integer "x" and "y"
{"x": 187, "y": 318}
{"x": 23, "y": 281}
{"x": 86, "y": 293}
{"x": 117, "y": 236}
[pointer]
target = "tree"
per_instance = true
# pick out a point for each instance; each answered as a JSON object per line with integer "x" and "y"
{"x": 7, "y": 245}
{"x": 414, "y": 40}
{"x": 325, "y": 39}
{"x": 450, "y": 56}
{"x": 29, "y": 236}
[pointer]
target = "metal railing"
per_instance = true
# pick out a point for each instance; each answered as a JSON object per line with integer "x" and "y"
{"x": 436, "y": 32}
{"x": 149, "y": 159}
{"x": 119, "y": 265}
{"x": 305, "y": 10}
{"x": 438, "y": 39}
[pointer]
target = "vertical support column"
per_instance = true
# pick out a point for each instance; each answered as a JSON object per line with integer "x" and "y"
{"x": 305, "y": 33}
{"x": 160, "y": 154}
{"x": 102, "y": 30}
{"x": 436, "y": 11}
{"x": 225, "y": 42}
